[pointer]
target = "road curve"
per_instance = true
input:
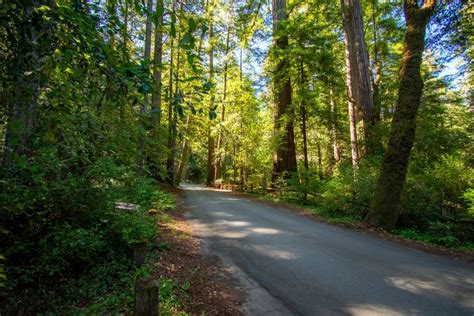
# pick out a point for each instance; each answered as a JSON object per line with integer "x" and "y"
{"x": 311, "y": 268}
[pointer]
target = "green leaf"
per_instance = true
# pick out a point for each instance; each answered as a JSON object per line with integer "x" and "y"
{"x": 192, "y": 25}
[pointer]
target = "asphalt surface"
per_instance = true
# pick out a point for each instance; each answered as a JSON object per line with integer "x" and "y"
{"x": 289, "y": 264}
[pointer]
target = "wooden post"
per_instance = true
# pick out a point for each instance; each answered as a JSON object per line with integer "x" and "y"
{"x": 139, "y": 253}
{"x": 147, "y": 297}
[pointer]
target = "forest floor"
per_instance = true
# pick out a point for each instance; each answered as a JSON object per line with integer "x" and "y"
{"x": 456, "y": 254}
{"x": 210, "y": 288}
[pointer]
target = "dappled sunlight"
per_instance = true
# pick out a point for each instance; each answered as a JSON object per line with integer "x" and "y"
{"x": 231, "y": 234}
{"x": 413, "y": 285}
{"x": 376, "y": 310}
{"x": 265, "y": 231}
{"x": 443, "y": 287}
{"x": 223, "y": 214}
{"x": 273, "y": 252}
{"x": 200, "y": 187}
{"x": 233, "y": 223}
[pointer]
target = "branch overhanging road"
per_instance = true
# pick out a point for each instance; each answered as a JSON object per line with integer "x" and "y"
{"x": 290, "y": 264}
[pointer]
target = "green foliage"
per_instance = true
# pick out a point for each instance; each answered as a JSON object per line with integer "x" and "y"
{"x": 469, "y": 197}
{"x": 347, "y": 194}
{"x": 444, "y": 234}
{"x": 170, "y": 291}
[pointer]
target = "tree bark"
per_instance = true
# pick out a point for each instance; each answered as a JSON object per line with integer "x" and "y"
{"x": 303, "y": 121}
{"x": 385, "y": 206}
{"x": 335, "y": 142}
{"x": 112, "y": 19}
{"x": 169, "y": 162}
{"x": 185, "y": 150}
{"x": 210, "y": 138}
{"x": 170, "y": 166}
{"x": 377, "y": 78}
{"x": 143, "y": 107}
{"x": 224, "y": 97}
{"x": 358, "y": 63}
{"x": 352, "y": 93}
{"x": 285, "y": 158}
{"x": 157, "y": 66}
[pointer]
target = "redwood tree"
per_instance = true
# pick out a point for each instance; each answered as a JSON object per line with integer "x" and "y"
{"x": 285, "y": 160}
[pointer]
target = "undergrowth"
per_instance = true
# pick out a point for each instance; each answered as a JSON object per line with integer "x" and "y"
{"x": 77, "y": 258}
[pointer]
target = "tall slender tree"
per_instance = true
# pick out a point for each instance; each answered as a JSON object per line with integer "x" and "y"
{"x": 218, "y": 166}
{"x": 210, "y": 138}
{"x": 144, "y": 105}
{"x": 285, "y": 158}
{"x": 357, "y": 60}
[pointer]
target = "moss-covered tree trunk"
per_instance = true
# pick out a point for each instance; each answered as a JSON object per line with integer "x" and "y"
{"x": 385, "y": 206}
{"x": 285, "y": 158}
{"x": 157, "y": 68}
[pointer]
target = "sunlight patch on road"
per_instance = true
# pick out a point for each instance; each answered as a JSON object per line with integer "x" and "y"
{"x": 233, "y": 223}
{"x": 265, "y": 231}
{"x": 375, "y": 310}
{"x": 274, "y": 253}
{"x": 222, "y": 214}
{"x": 232, "y": 235}
{"x": 414, "y": 285}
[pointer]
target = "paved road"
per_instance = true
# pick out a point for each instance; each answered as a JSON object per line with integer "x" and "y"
{"x": 293, "y": 265}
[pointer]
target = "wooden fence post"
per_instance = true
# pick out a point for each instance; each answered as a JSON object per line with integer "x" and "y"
{"x": 147, "y": 302}
{"x": 139, "y": 253}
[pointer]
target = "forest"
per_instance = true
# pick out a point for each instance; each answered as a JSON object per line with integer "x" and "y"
{"x": 358, "y": 110}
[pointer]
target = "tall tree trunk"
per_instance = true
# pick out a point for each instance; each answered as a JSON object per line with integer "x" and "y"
{"x": 156, "y": 94}
{"x": 173, "y": 119}
{"x": 303, "y": 119}
{"x": 224, "y": 97}
{"x": 143, "y": 107}
{"x": 169, "y": 165}
{"x": 210, "y": 137}
{"x": 352, "y": 93}
{"x": 385, "y": 206}
{"x": 320, "y": 160}
{"x": 335, "y": 144}
{"x": 147, "y": 51}
{"x": 125, "y": 56}
{"x": 185, "y": 150}
{"x": 157, "y": 67}
{"x": 285, "y": 159}
{"x": 377, "y": 101}
{"x": 112, "y": 20}
{"x": 358, "y": 63}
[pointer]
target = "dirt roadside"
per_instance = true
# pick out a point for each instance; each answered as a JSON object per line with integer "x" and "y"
{"x": 213, "y": 290}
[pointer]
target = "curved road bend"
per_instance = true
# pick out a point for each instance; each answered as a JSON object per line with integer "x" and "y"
{"x": 290, "y": 264}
